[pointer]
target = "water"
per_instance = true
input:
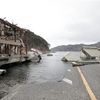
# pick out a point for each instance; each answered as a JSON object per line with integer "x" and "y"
{"x": 51, "y": 68}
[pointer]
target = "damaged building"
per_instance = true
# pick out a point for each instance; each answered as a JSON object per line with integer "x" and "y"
{"x": 88, "y": 52}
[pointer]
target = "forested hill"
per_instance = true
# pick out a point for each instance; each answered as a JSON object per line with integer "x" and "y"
{"x": 35, "y": 41}
{"x": 76, "y": 47}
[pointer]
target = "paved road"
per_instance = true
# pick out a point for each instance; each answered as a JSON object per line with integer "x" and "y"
{"x": 92, "y": 75}
{"x": 68, "y": 87}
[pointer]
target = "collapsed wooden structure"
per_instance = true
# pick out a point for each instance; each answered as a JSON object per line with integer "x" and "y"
{"x": 11, "y": 38}
{"x": 12, "y": 47}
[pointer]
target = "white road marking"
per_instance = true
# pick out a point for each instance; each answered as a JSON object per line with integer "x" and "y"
{"x": 68, "y": 70}
{"x": 68, "y": 81}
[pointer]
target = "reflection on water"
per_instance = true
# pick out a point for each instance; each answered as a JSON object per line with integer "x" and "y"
{"x": 51, "y": 68}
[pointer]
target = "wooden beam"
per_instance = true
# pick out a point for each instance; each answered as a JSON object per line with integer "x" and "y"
{"x": 10, "y": 42}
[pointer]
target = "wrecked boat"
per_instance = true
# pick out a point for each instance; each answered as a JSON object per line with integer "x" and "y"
{"x": 34, "y": 55}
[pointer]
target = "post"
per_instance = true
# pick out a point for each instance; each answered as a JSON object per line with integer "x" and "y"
{"x": 26, "y": 42}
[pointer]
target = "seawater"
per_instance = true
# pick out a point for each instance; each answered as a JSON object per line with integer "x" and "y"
{"x": 51, "y": 68}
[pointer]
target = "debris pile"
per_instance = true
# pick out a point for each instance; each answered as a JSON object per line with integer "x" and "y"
{"x": 89, "y": 55}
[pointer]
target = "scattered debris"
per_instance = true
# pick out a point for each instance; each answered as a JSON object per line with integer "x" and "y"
{"x": 12, "y": 46}
{"x": 88, "y": 52}
{"x": 2, "y": 71}
{"x": 70, "y": 57}
{"x": 89, "y": 55}
{"x": 33, "y": 56}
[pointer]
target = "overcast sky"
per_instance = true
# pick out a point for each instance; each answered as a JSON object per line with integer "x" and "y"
{"x": 60, "y": 22}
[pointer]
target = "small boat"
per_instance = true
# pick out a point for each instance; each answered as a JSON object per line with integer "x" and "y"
{"x": 49, "y": 54}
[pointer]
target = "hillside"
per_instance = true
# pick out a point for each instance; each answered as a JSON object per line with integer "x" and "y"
{"x": 35, "y": 41}
{"x": 76, "y": 47}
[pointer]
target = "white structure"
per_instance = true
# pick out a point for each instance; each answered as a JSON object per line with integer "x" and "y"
{"x": 90, "y": 52}
{"x": 33, "y": 56}
{"x": 71, "y": 57}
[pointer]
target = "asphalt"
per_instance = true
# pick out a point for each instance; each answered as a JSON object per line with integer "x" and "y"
{"x": 72, "y": 88}
{"x": 92, "y": 75}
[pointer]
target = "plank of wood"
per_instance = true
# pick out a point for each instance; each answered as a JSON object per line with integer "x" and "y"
{"x": 10, "y": 42}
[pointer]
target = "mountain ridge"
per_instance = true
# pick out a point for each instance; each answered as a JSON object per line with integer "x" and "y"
{"x": 73, "y": 47}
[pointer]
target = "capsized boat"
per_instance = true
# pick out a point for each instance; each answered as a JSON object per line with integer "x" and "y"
{"x": 34, "y": 55}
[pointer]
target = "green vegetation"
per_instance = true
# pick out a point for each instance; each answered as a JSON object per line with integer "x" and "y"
{"x": 35, "y": 41}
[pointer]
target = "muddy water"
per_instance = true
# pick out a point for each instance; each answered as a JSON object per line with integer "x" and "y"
{"x": 51, "y": 68}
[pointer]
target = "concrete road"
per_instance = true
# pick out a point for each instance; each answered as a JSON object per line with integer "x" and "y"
{"x": 71, "y": 87}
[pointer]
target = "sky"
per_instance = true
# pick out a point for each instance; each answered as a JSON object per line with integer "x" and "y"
{"x": 59, "y": 22}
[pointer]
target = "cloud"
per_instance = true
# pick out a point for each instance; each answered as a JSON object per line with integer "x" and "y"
{"x": 83, "y": 27}
{"x": 58, "y": 21}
